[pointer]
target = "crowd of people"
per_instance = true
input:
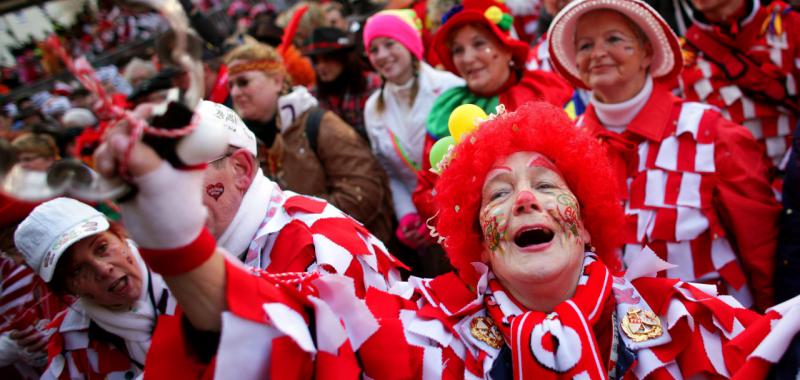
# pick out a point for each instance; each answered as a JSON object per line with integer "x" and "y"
{"x": 592, "y": 189}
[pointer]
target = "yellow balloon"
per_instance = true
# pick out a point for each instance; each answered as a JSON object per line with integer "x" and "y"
{"x": 464, "y": 119}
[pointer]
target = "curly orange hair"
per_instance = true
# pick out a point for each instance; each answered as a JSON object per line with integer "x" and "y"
{"x": 534, "y": 127}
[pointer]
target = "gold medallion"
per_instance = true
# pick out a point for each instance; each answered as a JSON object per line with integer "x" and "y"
{"x": 484, "y": 329}
{"x": 641, "y": 325}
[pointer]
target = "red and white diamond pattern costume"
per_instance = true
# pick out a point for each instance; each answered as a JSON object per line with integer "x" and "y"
{"x": 420, "y": 330}
{"x": 773, "y": 47}
{"x": 695, "y": 191}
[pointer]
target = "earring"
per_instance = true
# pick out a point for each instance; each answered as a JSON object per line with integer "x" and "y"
{"x": 511, "y": 63}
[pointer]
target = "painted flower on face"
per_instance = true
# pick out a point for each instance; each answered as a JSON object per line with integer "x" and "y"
{"x": 494, "y": 224}
{"x": 568, "y": 213}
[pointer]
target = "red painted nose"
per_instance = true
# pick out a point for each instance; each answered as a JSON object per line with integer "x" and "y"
{"x": 526, "y": 202}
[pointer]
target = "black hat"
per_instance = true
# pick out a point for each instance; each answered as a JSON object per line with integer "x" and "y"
{"x": 161, "y": 81}
{"x": 265, "y": 29}
{"x": 327, "y": 40}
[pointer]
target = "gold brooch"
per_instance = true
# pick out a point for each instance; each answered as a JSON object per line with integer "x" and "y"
{"x": 641, "y": 325}
{"x": 484, "y": 329}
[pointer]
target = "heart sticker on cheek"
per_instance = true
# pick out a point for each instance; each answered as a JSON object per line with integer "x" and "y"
{"x": 215, "y": 190}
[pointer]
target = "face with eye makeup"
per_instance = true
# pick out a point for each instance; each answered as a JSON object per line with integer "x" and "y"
{"x": 255, "y": 93}
{"x": 611, "y": 59}
{"x": 531, "y": 223}
{"x": 480, "y": 59}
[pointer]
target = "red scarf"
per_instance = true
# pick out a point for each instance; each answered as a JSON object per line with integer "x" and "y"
{"x": 560, "y": 344}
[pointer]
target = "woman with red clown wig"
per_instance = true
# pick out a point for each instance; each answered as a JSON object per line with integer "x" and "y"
{"x": 524, "y": 199}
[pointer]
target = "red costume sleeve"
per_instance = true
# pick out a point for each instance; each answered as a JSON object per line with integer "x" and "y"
{"x": 747, "y": 206}
{"x": 426, "y": 180}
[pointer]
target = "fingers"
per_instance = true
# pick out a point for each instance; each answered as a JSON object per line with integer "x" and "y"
{"x": 20, "y": 334}
{"x": 31, "y": 339}
{"x": 112, "y": 152}
{"x": 39, "y": 345}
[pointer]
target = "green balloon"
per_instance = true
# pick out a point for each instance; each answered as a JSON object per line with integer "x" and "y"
{"x": 439, "y": 149}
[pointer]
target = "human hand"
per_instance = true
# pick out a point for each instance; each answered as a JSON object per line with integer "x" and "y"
{"x": 412, "y": 231}
{"x": 32, "y": 345}
{"x": 167, "y": 211}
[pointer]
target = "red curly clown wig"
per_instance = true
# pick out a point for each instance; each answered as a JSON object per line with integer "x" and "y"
{"x": 534, "y": 127}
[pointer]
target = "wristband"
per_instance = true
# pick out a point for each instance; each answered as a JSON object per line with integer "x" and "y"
{"x": 177, "y": 261}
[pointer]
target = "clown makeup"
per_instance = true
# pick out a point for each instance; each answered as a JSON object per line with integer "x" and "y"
{"x": 568, "y": 215}
{"x": 536, "y": 187}
{"x": 530, "y": 223}
{"x": 215, "y": 190}
{"x": 494, "y": 223}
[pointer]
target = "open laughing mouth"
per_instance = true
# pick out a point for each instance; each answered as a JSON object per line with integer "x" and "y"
{"x": 530, "y": 237}
{"x": 119, "y": 285}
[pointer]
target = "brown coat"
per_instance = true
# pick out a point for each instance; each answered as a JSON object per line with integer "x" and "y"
{"x": 343, "y": 171}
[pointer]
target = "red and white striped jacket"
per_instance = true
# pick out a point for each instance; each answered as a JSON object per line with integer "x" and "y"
{"x": 25, "y": 301}
{"x": 24, "y": 297}
{"x": 72, "y": 355}
{"x": 695, "y": 190}
{"x": 770, "y": 37}
{"x": 303, "y": 234}
{"x": 316, "y": 327}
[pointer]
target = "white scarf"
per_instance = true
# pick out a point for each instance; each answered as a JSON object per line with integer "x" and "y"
{"x": 248, "y": 218}
{"x": 136, "y": 325}
{"x": 617, "y": 116}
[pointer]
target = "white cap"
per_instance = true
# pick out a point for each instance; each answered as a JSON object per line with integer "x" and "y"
{"x": 78, "y": 118}
{"x": 238, "y": 134}
{"x": 51, "y": 228}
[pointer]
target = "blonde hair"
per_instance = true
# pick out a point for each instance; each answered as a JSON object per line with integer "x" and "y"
{"x": 252, "y": 51}
{"x": 312, "y": 19}
{"x": 36, "y": 143}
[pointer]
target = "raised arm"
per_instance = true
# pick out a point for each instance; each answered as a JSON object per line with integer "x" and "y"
{"x": 167, "y": 218}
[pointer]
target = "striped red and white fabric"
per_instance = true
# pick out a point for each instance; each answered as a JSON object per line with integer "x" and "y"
{"x": 764, "y": 343}
{"x": 561, "y": 343}
{"x": 773, "y": 47}
{"x": 72, "y": 355}
{"x": 305, "y": 234}
{"x": 25, "y": 300}
{"x": 669, "y": 199}
{"x": 315, "y": 326}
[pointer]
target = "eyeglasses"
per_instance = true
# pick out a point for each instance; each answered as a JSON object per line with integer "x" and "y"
{"x": 220, "y": 158}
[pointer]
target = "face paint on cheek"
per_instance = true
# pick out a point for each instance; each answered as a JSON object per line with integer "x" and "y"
{"x": 567, "y": 214}
{"x": 215, "y": 190}
{"x": 494, "y": 224}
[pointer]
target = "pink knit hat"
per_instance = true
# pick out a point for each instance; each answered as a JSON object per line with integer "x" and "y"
{"x": 401, "y": 25}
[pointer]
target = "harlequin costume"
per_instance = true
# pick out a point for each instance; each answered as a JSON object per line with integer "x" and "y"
{"x": 695, "y": 186}
{"x": 748, "y": 67}
{"x": 281, "y": 231}
{"x": 465, "y": 324}
{"x": 521, "y": 87}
